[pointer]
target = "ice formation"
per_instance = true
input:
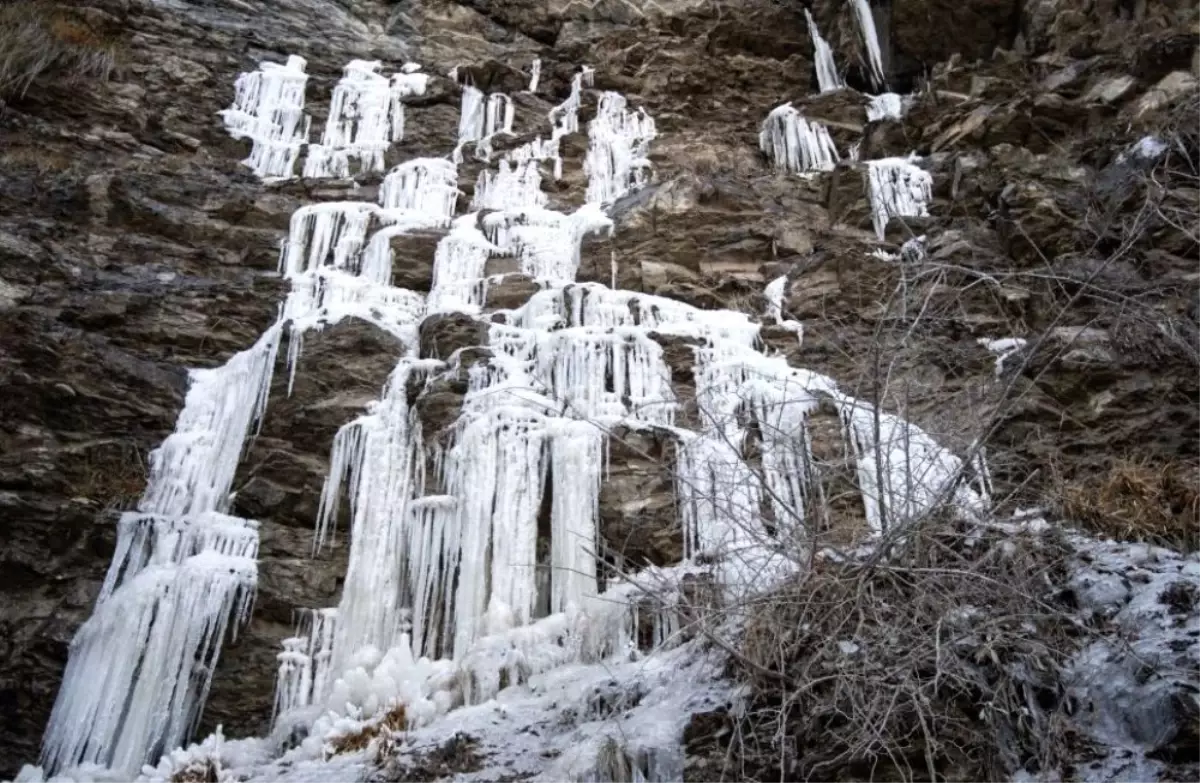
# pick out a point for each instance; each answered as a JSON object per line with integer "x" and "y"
{"x": 140, "y": 667}
{"x": 366, "y": 116}
{"x": 888, "y": 106}
{"x": 535, "y": 74}
{"x": 897, "y": 188}
{"x": 828, "y": 79}
{"x": 617, "y": 143}
{"x": 473, "y": 563}
{"x": 870, "y": 39}
{"x": 481, "y": 118}
{"x": 794, "y": 144}
{"x": 268, "y": 109}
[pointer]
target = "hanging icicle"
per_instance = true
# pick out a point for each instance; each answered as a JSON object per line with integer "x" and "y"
{"x": 794, "y": 144}
{"x": 827, "y": 75}
{"x": 870, "y": 40}
{"x": 366, "y": 116}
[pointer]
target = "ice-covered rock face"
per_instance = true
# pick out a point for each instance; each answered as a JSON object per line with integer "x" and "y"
{"x": 146, "y": 254}
{"x": 450, "y": 595}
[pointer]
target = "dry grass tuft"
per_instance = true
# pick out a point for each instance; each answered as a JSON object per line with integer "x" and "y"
{"x": 39, "y": 39}
{"x": 395, "y": 720}
{"x": 1139, "y": 501}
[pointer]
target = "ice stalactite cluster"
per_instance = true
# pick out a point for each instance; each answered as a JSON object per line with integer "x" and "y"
{"x": 482, "y": 117}
{"x": 795, "y": 144}
{"x": 888, "y": 106}
{"x": 268, "y": 109}
{"x": 828, "y": 79}
{"x": 617, "y": 143}
{"x": 897, "y": 187}
{"x": 366, "y": 116}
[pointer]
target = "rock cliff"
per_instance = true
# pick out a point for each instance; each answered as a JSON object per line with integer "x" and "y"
{"x": 1065, "y": 159}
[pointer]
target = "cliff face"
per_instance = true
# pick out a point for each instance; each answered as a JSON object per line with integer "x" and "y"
{"x": 133, "y": 245}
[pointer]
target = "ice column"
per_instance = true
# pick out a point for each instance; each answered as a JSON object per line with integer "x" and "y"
{"x": 141, "y": 666}
{"x": 268, "y": 109}
{"x": 870, "y": 38}
{"x": 794, "y": 144}
{"x": 827, "y": 75}
{"x": 577, "y": 460}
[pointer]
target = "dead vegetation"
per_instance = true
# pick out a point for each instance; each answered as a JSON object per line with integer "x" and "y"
{"x": 393, "y": 721}
{"x": 457, "y": 755}
{"x": 1152, "y": 501}
{"x": 205, "y": 771}
{"x": 42, "y": 40}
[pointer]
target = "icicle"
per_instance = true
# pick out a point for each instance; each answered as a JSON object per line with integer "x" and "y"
{"x": 481, "y": 119}
{"x": 427, "y": 187}
{"x": 433, "y": 549}
{"x": 897, "y": 188}
{"x": 794, "y": 144}
{"x": 386, "y": 474}
{"x": 565, "y": 116}
{"x": 268, "y": 109}
{"x": 535, "y": 73}
{"x": 141, "y": 666}
{"x": 510, "y": 187}
{"x": 827, "y": 75}
{"x": 870, "y": 38}
{"x": 303, "y": 675}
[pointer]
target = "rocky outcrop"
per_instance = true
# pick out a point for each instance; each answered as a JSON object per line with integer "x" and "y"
{"x": 133, "y": 246}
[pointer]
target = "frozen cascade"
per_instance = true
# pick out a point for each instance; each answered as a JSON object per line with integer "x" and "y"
{"x": 827, "y": 75}
{"x": 268, "y": 109}
{"x": 794, "y": 144}
{"x": 897, "y": 188}
{"x": 870, "y": 39}
{"x": 452, "y": 595}
{"x": 366, "y": 115}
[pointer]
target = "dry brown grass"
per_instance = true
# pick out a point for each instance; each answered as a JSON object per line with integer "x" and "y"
{"x": 42, "y": 41}
{"x": 200, "y": 772}
{"x": 1138, "y": 501}
{"x": 395, "y": 720}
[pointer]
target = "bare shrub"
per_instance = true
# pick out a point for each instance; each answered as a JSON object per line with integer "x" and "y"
{"x": 41, "y": 39}
{"x": 937, "y": 661}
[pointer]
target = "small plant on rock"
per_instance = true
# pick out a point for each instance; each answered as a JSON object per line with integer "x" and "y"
{"x": 40, "y": 39}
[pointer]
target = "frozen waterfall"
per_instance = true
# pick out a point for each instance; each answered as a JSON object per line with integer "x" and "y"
{"x": 476, "y": 554}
